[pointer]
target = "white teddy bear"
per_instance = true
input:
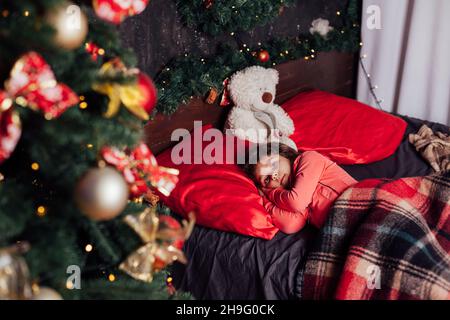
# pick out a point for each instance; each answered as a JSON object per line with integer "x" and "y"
{"x": 254, "y": 116}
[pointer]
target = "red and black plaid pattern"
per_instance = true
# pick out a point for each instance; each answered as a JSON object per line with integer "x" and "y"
{"x": 384, "y": 239}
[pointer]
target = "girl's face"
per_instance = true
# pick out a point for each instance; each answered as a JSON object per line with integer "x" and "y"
{"x": 273, "y": 172}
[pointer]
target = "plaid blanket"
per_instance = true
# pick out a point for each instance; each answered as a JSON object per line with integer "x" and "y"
{"x": 434, "y": 147}
{"x": 384, "y": 239}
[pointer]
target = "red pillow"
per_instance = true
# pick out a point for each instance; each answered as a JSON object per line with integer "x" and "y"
{"x": 221, "y": 195}
{"x": 343, "y": 129}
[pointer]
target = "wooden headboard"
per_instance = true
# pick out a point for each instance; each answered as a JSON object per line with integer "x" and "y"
{"x": 333, "y": 72}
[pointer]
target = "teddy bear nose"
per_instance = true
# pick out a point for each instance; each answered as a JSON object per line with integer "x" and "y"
{"x": 267, "y": 97}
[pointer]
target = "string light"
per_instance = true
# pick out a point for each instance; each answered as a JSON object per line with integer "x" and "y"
{"x": 35, "y": 166}
{"x": 26, "y": 13}
{"x": 111, "y": 277}
{"x": 2, "y": 177}
{"x": 41, "y": 211}
{"x": 101, "y": 51}
{"x": 338, "y": 13}
{"x": 88, "y": 248}
{"x": 89, "y": 146}
{"x": 69, "y": 284}
{"x": 83, "y": 105}
{"x": 369, "y": 82}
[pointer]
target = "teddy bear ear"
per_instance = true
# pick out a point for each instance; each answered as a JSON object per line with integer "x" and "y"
{"x": 274, "y": 75}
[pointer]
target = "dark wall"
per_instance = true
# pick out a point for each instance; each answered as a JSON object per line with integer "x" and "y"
{"x": 157, "y": 35}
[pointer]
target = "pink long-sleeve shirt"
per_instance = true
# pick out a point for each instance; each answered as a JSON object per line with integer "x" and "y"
{"x": 317, "y": 182}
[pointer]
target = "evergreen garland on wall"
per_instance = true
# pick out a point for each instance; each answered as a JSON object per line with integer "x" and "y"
{"x": 189, "y": 75}
{"x": 218, "y": 16}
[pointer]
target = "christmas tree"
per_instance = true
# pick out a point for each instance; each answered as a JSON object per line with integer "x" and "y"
{"x": 72, "y": 165}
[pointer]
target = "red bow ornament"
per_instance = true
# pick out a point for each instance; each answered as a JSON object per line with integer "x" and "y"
{"x": 225, "y": 101}
{"x": 10, "y": 131}
{"x": 115, "y": 11}
{"x": 139, "y": 167}
{"x": 32, "y": 84}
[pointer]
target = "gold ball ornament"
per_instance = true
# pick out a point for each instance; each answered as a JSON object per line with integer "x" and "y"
{"x": 70, "y": 24}
{"x": 46, "y": 293}
{"x": 102, "y": 194}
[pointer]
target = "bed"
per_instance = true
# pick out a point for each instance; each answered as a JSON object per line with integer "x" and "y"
{"x": 225, "y": 265}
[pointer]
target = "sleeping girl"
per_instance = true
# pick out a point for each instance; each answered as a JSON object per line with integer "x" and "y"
{"x": 297, "y": 187}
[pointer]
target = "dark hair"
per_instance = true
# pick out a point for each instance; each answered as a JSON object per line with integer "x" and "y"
{"x": 254, "y": 154}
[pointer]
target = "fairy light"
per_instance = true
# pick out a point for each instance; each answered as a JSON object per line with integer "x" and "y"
{"x": 338, "y": 13}
{"x": 88, "y": 248}
{"x": 372, "y": 87}
{"x": 89, "y": 146}
{"x": 21, "y": 101}
{"x": 111, "y": 277}
{"x": 26, "y": 13}
{"x": 101, "y": 51}
{"x": 69, "y": 285}
{"x": 35, "y": 166}
{"x": 169, "y": 279}
{"x": 41, "y": 211}
{"x": 2, "y": 177}
{"x": 83, "y": 105}
{"x": 81, "y": 98}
